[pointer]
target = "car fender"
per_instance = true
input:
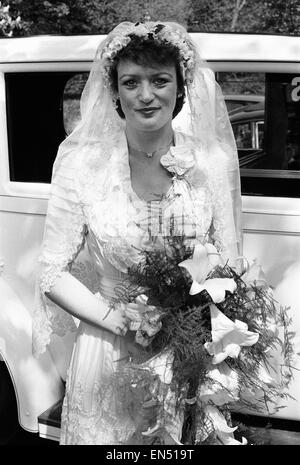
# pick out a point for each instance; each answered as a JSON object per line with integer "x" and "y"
{"x": 36, "y": 381}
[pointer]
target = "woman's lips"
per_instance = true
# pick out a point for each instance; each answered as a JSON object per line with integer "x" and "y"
{"x": 148, "y": 111}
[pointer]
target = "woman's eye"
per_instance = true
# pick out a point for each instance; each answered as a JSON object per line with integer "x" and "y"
{"x": 160, "y": 82}
{"x": 130, "y": 83}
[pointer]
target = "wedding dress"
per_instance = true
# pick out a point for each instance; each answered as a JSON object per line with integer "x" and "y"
{"x": 114, "y": 223}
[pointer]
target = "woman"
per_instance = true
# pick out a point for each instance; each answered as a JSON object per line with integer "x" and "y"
{"x": 125, "y": 179}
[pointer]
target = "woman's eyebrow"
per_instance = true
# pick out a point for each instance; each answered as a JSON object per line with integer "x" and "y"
{"x": 133, "y": 75}
{"x": 159, "y": 73}
{"x": 128, "y": 75}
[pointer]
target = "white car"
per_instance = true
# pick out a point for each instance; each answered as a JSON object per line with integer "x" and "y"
{"x": 40, "y": 83}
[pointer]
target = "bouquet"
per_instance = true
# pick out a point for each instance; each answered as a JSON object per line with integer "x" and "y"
{"x": 206, "y": 342}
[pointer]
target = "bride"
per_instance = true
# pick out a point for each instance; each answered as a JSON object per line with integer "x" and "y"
{"x": 126, "y": 179}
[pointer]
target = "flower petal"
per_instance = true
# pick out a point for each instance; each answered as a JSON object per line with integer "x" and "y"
{"x": 198, "y": 266}
{"x": 255, "y": 276}
{"x": 217, "y": 287}
{"x": 228, "y": 440}
{"x": 227, "y": 336}
{"x": 219, "y": 421}
{"x": 196, "y": 288}
{"x": 221, "y": 387}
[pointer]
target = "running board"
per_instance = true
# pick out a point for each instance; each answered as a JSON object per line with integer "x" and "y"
{"x": 49, "y": 422}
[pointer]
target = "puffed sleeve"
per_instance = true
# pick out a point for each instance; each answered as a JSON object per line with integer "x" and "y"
{"x": 223, "y": 228}
{"x": 64, "y": 236}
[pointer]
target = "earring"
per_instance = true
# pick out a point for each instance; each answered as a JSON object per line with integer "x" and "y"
{"x": 180, "y": 95}
{"x": 115, "y": 102}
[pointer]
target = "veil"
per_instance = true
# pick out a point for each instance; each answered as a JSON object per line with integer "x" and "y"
{"x": 91, "y": 144}
{"x": 204, "y": 115}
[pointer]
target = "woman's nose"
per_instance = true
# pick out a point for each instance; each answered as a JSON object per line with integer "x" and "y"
{"x": 146, "y": 92}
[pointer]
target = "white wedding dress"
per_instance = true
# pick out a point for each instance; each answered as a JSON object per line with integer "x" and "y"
{"x": 101, "y": 212}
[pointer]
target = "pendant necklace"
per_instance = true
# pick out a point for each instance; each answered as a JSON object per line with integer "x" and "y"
{"x": 151, "y": 154}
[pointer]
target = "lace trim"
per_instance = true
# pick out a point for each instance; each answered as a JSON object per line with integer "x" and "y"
{"x": 63, "y": 239}
{"x": 107, "y": 423}
{"x": 222, "y": 228}
{"x": 48, "y": 317}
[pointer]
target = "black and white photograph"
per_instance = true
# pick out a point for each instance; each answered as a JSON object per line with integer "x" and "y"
{"x": 150, "y": 225}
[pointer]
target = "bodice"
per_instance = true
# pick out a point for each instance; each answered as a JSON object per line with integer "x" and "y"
{"x": 120, "y": 224}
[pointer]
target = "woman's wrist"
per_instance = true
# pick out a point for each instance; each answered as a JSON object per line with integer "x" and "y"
{"x": 111, "y": 316}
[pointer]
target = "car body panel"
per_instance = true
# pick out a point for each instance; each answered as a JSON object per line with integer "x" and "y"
{"x": 37, "y": 383}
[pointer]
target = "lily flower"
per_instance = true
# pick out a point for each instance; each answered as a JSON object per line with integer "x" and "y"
{"x": 255, "y": 275}
{"x": 205, "y": 258}
{"x": 169, "y": 420}
{"x": 223, "y": 432}
{"x": 221, "y": 387}
{"x": 227, "y": 336}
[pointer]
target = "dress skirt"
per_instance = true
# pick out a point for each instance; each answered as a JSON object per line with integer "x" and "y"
{"x": 91, "y": 411}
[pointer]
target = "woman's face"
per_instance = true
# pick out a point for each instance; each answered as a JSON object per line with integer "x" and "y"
{"x": 147, "y": 94}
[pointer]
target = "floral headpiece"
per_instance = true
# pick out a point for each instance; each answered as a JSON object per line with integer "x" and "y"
{"x": 160, "y": 33}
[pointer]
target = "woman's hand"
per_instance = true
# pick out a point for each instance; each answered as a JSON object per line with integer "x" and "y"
{"x": 115, "y": 321}
{"x": 144, "y": 319}
{"x": 134, "y": 311}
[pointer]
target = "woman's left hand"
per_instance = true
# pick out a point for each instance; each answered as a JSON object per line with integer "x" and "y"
{"x": 135, "y": 311}
{"x": 143, "y": 318}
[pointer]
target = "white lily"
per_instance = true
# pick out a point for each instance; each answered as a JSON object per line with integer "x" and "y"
{"x": 169, "y": 418}
{"x": 223, "y": 432}
{"x": 227, "y": 336}
{"x": 205, "y": 258}
{"x": 221, "y": 387}
{"x": 255, "y": 276}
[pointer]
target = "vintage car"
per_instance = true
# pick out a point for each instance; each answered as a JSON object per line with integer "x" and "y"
{"x": 41, "y": 79}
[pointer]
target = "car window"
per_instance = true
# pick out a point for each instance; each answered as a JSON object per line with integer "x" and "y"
{"x": 34, "y": 106}
{"x": 266, "y": 126}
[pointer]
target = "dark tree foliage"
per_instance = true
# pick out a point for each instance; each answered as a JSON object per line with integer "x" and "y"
{"x": 254, "y": 16}
{"x": 89, "y": 16}
{"x": 30, "y": 17}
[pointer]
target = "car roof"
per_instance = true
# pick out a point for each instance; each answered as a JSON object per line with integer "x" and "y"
{"x": 213, "y": 47}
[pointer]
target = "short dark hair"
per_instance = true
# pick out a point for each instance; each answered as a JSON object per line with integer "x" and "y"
{"x": 144, "y": 52}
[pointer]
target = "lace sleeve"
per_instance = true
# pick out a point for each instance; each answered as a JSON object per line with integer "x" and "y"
{"x": 63, "y": 239}
{"x": 223, "y": 231}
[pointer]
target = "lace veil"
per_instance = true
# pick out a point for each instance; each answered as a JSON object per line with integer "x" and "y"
{"x": 204, "y": 116}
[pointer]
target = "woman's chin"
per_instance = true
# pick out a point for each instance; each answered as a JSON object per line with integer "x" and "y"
{"x": 151, "y": 124}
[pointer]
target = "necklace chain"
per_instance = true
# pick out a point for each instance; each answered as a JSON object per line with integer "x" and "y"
{"x": 150, "y": 154}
